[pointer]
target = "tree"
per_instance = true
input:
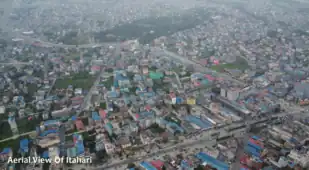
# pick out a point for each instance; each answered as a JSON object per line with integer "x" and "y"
{"x": 110, "y": 70}
{"x": 131, "y": 165}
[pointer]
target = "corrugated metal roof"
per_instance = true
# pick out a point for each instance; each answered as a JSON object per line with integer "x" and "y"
{"x": 147, "y": 166}
{"x": 252, "y": 151}
{"x": 257, "y": 147}
{"x": 212, "y": 161}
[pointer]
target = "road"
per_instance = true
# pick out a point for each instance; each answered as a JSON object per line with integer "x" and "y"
{"x": 206, "y": 140}
{"x": 189, "y": 143}
{"x": 178, "y": 79}
{"x": 197, "y": 66}
{"x": 30, "y": 40}
{"x": 87, "y": 98}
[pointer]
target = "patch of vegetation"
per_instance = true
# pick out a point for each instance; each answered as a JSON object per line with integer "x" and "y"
{"x": 155, "y": 128}
{"x": 13, "y": 144}
{"x": 81, "y": 80}
{"x": 146, "y": 30}
{"x": 5, "y": 130}
{"x": 103, "y": 105}
{"x": 108, "y": 82}
{"x": 24, "y": 125}
{"x": 239, "y": 64}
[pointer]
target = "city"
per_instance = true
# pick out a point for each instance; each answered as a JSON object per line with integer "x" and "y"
{"x": 159, "y": 85}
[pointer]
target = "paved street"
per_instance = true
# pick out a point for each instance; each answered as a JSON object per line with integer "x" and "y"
{"x": 197, "y": 66}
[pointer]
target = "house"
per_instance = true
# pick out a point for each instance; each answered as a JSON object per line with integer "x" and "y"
{"x": 62, "y": 112}
{"x": 124, "y": 142}
{"x": 146, "y": 137}
{"x": 78, "y": 91}
{"x": 2, "y": 109}
{"x": 6, "y": 154}
{"x": 79, "y": 125}
{"x": 109, "y": 148}
{"x": 95, "y": 69}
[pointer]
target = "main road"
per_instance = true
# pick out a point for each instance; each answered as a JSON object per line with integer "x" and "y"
{"x": 206, "y": 137}
{"x": 197, "y": 66}
{"x": 30, "y": 40}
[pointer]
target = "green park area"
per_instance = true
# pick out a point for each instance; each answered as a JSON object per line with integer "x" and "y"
{"x": 108, "y": 82}
{"x": 80, "y": 80}
{"x": 239, "y": 64}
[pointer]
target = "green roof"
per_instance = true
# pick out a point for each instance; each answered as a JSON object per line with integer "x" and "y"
{"x": 155, "y": 75}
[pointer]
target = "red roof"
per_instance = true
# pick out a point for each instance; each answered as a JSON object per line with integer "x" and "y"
{"x": 216, "y": 62}
{"x": 79, "y": 125}
{"x": 95, "y": 68}
{"x": 102, "y": 113}
{"x": 209, "y": 77}
{"x": 137, "y": 116}
{"x": 172, "y": 95}
{"x": 259, "y": 143}
{"x": 76, "y": 98}
{"x": 147, "y": 107}
{"x": 203, "y": 61}
{"x": 157, "y": 164}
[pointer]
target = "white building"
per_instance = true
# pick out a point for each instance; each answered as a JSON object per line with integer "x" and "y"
{"x": 233, "y": 94}
{"x": 109, "y": 148}
{"x": 301, "y": 159}
{"x": 145, "y": 138}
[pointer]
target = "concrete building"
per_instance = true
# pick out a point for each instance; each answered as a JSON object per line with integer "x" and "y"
{"x": 233, "y": 94}
{"x": 299, "y": 158}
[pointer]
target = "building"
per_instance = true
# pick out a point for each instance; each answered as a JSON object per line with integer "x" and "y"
{"x": 109, "y": 148}
{"x": 207, "y": 159}
{"x": 146, "y": 137}
{"x": 5, "y": 154}
{"x": 147, "y": 166}
{"x": 158, "y": 164}
{"x": 300, "y": 158}
{"x": 233, "y": 94}
{"x": 24, "y": 146}
{"x": 124, "y": 142}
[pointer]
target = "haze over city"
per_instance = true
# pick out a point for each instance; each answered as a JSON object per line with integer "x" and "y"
{"x": 154, "y": 84}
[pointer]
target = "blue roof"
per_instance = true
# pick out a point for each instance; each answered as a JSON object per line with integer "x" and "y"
{"x": 45, "y": 154}
{"x": 179, "y": 100}
{"x": 184, "y": 164}
{"x": 147, "y": 166}
{"x": 197, "y": 75}
{"x": 47, "y": 132}
{"x": 74, "y": 118}
{"x": 120, "y": 77}
{"x": 212, "y": 161}
{"x": 116, "y": 83}
{"x": 112, "y": 94}
{"x": 145, "y": 114}
{"x": 23, "y": 144}
{"x": 95, "y": 116}
{"x": 252, "y": 151}
{"x": 6, "y": 150}
{"x": 255, "y": 137}
{"x": 257, "y": 147}
{"x": 174, "y": 125}
{"x": 137, "y": 77}
{"x": 80, "y": 149}
{"x": 51, "y": 122}
{"x": 198, "y": 121}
